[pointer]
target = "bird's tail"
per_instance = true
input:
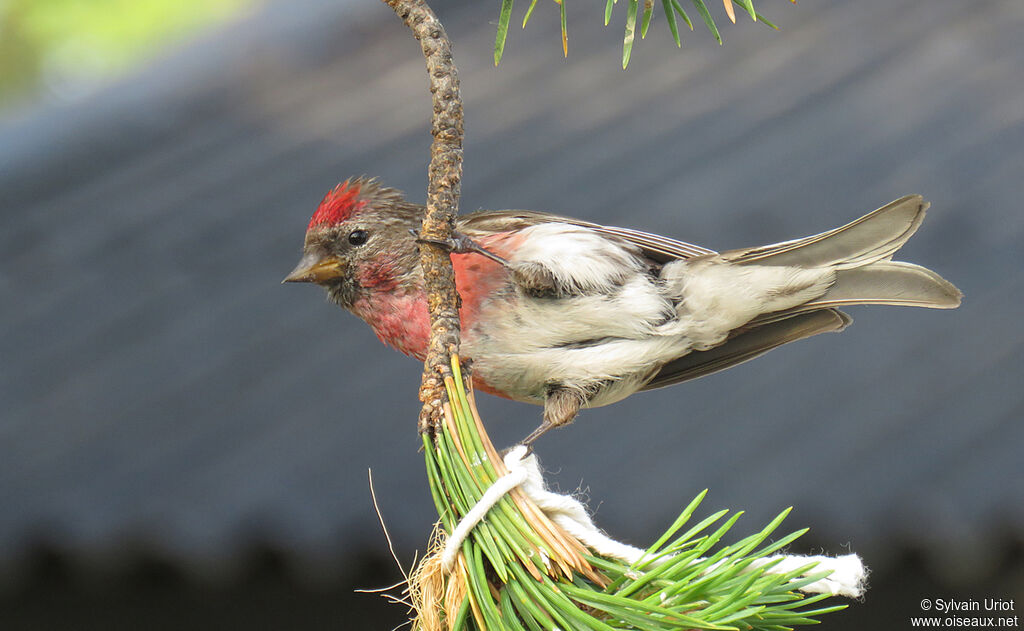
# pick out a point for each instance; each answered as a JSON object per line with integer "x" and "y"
{"x": 860, "y": 253}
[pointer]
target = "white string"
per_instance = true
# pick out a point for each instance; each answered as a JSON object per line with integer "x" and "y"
{"x": 566, "y": 511}
{"x": 847, "y": 576}
{"x": 501, "y": 486}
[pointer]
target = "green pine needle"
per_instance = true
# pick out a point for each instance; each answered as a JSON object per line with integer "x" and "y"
{"x": 764, "y": 20}
{"x": 627, "y": 41}
{"x": 503, "y": 19}
{"x": 679, "y": 9}
{"x": 565, "y": 30}
{"x": 672, "y": 9}
{"x": 529, "y": 12}
{"x": 708, "y": 20}
{"x": 749, "y": 6}
{"x": 670, "y": 17}
{"x": 648, "y": 13}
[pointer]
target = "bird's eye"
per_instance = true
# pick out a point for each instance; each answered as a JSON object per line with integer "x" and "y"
{"x": 358, "y": 237}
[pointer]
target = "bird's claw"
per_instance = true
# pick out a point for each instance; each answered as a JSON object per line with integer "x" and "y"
{"x": 459, "y": 243}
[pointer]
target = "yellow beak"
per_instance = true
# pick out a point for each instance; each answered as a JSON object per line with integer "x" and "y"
{"x": 316, "y": 268}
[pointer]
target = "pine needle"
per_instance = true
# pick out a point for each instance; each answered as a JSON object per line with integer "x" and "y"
{"x": 729, "y": 11}
{"x": 518, "y": 570}
{"x": 672, "y": 9}
{"x": 504, "y": 17}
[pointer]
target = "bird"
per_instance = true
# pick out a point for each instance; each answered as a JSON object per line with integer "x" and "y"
{"x": 571, "y": 314}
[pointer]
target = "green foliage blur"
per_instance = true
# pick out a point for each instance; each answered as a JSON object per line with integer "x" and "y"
{"x": 70, "y": 43}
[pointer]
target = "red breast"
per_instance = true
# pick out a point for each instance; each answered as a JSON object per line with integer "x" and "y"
{"x": 399, "y": 317}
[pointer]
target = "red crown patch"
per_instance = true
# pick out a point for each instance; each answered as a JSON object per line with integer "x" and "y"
{"x": 338, "y": 205}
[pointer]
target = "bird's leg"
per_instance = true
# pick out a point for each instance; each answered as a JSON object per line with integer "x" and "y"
{"x": 560, "y": 408}
{"x": 460, "y": 243}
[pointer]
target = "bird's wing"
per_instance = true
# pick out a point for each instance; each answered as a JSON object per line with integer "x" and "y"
{"x": 748, "y": 344}
{"x": 659, "y": 248}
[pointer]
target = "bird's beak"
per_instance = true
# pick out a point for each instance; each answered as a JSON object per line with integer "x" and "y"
{"x": 316, "y": 268}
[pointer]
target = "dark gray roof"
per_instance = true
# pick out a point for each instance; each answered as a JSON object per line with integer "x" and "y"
{"x": 160, "y": 387}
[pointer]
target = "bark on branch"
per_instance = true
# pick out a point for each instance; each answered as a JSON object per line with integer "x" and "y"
{"x": 445, "y": 173}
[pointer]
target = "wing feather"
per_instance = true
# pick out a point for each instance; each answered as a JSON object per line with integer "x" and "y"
{"x": 746, "y": 345}
{"x": 659, "y": 248}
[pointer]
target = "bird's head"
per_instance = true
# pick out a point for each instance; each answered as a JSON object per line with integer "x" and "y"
{"x": 358, "y": 241}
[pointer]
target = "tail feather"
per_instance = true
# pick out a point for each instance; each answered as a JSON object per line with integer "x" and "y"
{"x": 890, "y": 283}
{"x": 860, "y": 254}
{"x": 882, "y": 283}
{"x": 874, "y": 237}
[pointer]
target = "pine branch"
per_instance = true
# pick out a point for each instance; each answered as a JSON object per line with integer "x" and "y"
{"x": 443, "y": 191}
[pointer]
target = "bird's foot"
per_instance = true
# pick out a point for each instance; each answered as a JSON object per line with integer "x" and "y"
{"x": 459, "y": 243}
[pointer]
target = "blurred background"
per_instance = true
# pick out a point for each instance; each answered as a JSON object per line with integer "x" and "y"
{"x": 184, "y": 443}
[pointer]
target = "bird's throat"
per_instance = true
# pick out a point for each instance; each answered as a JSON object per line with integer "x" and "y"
{"x": 397, "y": 311}
{"x": 399, "y": 319}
